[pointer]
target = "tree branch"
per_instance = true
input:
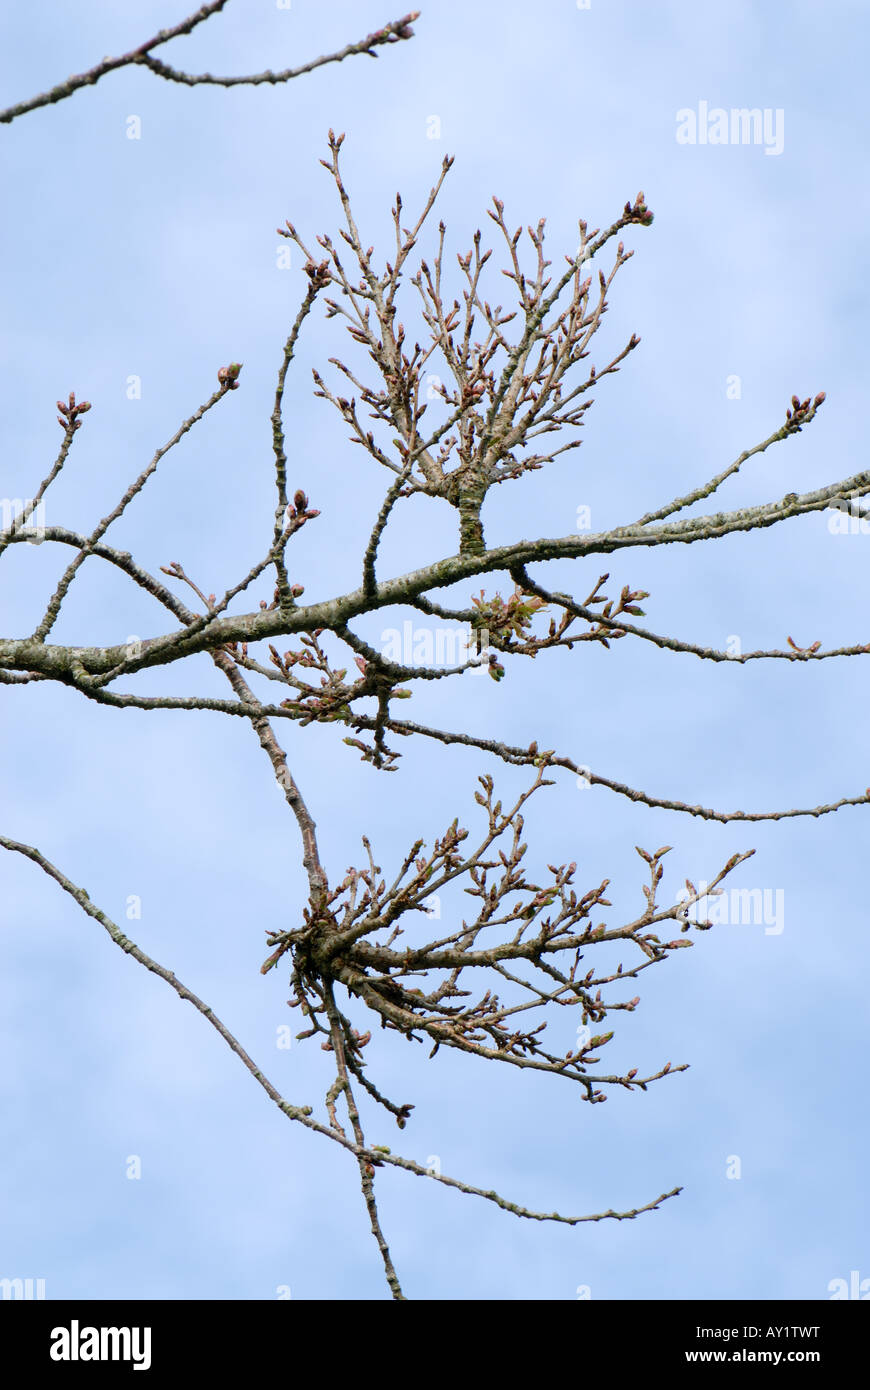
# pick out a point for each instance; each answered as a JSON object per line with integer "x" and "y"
{"x": 393, "y": 32}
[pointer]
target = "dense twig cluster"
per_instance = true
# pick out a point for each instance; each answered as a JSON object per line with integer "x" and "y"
{"x": 533, "y": 936}
{"x": 508, "y": 387}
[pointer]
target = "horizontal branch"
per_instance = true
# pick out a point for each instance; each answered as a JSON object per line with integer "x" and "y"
{"x": 530, "y": 757}
{"x": 93, "y": 75}
{"x": 61, "y": 663}
{"x": 393, "y": 32}
{"x": 619, "y": 627}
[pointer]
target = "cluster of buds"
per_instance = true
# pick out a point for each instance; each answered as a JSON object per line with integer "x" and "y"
{"x": 399, "y": 29}
{"x": 801, "y": 412}
{"x": 295, "y": 591}
{"x": 318, "y": 274}
{"x": 511, "y": 617}
{"x": 638, "y": 211}
{"x": 506, "y": 625}
{"x": 229, "y": 376}
{"x": 300, "y": 505}
{"x": 298, "y": 512}
{"x": 69, "y": 413}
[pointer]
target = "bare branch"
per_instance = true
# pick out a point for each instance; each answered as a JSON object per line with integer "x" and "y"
{"x": 393, "y": 32}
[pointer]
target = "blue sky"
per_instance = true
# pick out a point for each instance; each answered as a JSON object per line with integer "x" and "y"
{"x": 157, "y": 258}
